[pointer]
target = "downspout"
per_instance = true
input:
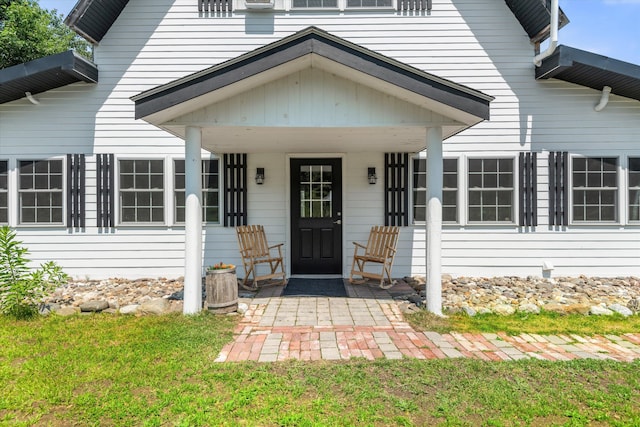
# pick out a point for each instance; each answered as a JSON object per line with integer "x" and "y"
{"x": 604, "y": 99}
{"x": 553, "y": 43}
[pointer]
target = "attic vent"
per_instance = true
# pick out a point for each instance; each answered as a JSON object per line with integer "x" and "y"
{"x": 214, "y": 6}
{"x": 259, "y": 4}
{"x": 415, "y": 6}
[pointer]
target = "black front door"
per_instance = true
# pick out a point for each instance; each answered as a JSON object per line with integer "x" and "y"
{"x": 316, "y": 216}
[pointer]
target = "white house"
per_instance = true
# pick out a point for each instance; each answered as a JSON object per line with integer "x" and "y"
{"x": 346, "y": 108}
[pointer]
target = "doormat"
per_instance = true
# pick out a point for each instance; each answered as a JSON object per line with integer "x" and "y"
{"x": 314, "y": 288}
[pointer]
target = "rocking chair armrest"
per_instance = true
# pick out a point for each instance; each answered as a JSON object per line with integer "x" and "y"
{"x": 275, "y": 246}
{"x": 359, "y": 245}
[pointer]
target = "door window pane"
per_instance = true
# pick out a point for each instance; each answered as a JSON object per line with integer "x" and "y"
{"x": 316, "y": 200}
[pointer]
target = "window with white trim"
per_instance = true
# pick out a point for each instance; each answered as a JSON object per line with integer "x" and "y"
{"x": 490, "y": 190}
{"x": 449, "y": 190}
{"x": 40, "y": 191}
{"x": 210, "y": 191}
{"x": 594, "y": 189}
{"x": 369, "y": 4}
{"x": 141, "y": 191}
{"x": 634, "y": 189}
{"x": 314, "y": 4}
{"x": 4, "y": 192}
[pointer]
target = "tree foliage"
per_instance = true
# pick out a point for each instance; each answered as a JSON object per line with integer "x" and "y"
{"x": 28, "y": 32}
{"x": 21, "y": 288}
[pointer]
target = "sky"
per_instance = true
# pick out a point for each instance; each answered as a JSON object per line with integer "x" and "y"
{"x": 606, "y": 27}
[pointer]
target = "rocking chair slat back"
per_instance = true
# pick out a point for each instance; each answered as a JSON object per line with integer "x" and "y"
{"x": 380, "y": 240}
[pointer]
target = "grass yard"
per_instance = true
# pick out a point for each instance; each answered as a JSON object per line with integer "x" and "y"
{"x": 159, "y": 371}
{"x": 545, "y": 323}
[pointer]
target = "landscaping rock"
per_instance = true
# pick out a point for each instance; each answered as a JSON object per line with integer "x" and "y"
{"x": 621, "y": 309}
{"x": 504, "y": 309}
{"x": 67, "y": 311}
{"x": 470, "y": 311}
{"x": 242, "y": 308}
{"x": 155, "y": 306}
{"x": 129, "y": 309}
{"x": 93, "y": 306}
{"x": 597, "y": 310}
{"x": 529, "y": 308}
{"x": 634, "y": 305}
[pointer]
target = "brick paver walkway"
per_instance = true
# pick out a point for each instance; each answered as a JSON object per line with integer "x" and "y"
{"x": 372, "y": 326}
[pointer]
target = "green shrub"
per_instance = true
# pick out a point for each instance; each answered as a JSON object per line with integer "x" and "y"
{"x": 21, "y": 288}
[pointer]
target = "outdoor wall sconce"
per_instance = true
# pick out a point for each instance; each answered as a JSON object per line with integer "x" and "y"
{"x": 259, "y": 176}
{"x": 371, "y": 175}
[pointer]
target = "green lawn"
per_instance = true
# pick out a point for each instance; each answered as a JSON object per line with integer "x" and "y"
{"x": 159, "y": 371}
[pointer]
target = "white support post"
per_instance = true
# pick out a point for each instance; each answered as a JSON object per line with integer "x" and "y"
{"x": 434, "y": 220}
{"x": 193, "y": 221}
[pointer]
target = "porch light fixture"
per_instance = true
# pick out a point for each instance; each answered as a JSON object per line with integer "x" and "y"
{"x": 259, "y": 176}
{"x": 371, "y": 175}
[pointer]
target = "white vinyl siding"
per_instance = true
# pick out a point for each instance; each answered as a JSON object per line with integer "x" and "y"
{"x": 40, "y": 192}
{"x": 634, "y": 189}
{"x": 141, "y": 191}
{"x": 490, "y": 190}
{"x": 594, "y": 189}
{"x": 210, "y": 191}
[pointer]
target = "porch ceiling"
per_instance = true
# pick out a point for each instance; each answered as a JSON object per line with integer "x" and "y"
{"x": 294, "y": 75}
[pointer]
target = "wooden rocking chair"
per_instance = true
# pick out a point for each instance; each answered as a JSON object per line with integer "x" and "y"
{"x": 380, "y": 249}
{"x": 255, "y": 250}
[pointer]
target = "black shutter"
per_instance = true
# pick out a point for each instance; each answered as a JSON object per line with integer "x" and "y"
{"x": 396, "y": 185}
{"x": 76, "y": 172}
{"x": 528, "y": 189}
{"x": 105, "y": 190}
{"x": 558, "y": 188}
{"x": 235, "y": 185}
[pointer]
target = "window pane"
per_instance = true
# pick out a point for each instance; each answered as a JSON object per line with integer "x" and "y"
{"x": 490, "y": 165}
{"x": 449, "y": 214}
{"x": 475, "y": 165}
{"x": 490, "y": 181}
{"x": 474, "y": 214}
{"x": 419, "y": 213}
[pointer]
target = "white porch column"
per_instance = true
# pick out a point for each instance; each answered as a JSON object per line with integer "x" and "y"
{"x": 434, "y": 220}
{"x": 193, "y": 221}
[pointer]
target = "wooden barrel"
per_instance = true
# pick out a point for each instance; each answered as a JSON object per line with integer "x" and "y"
{"x": 222, "y": 291}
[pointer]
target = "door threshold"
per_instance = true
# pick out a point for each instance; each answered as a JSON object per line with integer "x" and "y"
{"x": 316, "y": 276}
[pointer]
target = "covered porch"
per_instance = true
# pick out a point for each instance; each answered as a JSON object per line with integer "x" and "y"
{"x": 315, "y": 113}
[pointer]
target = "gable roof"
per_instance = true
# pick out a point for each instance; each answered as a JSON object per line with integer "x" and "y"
{"x": 44, "y": 74}
{"x": 591, "y": 70}
{"x": 472, "y": 105}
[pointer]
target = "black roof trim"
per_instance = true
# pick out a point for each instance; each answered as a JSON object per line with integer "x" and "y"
{"x": 93, "y": 18}
{"x": 535, "y": 17}
{"x": 313, "y": 41}
{"x": 44, "y": 74}
{"x": 592, "y": 70}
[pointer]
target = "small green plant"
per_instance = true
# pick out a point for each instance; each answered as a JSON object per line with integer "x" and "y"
{"x": 21, "y": 288}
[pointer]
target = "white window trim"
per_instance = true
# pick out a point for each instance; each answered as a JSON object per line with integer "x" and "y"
{"x": 16, "y": 190}
{"x": 621, "y": 199}
{"x": 514, "y": 189}
{"x": 166, "y": 195}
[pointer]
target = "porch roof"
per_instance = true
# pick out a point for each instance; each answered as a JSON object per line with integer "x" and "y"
{"x": 455, "y": 107}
